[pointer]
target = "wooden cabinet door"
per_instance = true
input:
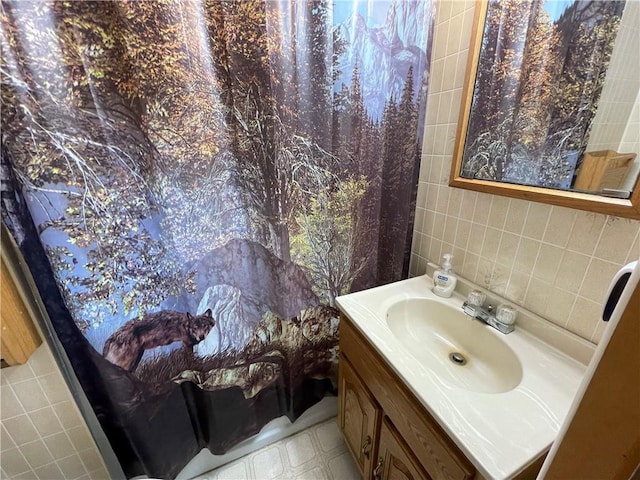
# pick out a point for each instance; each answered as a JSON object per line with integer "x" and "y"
{"x": 19, "y": 337}
{"x": 358, "y": 416}
{"x": 433, "y": 450}
{"x": 395, "y": 460}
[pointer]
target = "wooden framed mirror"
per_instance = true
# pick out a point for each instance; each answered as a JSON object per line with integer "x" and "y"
{"x": 521, "y": 132}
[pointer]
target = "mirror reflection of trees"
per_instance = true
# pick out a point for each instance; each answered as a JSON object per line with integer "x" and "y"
{"x": 537, "y": 88}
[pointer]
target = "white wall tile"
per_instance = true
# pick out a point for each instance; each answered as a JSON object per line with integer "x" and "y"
{"x": 482, "y": 208}
{"x": 634, "y": 252}
{"x": 537, "y": 219}
{"x": 586, "y": 232}
{"x": 559, "y": 226}
{"x": 572, "y": 271}
{"x": 547, "y": 263}
{"x": 616, "y": 240}
{"x": 596, "y": 280}
{"x": 584, "y": 317}
{"x": 527, "y": 254}
{"x": 508, "y": 248}
{"x": 559, "y": 304}
{"x": 516, "y": 216}
{"x": 517, "y": 287}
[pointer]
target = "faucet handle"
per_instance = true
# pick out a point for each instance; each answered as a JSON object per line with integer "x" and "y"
{"x": 476, "y": 297}
{"x": 506, "y": 314}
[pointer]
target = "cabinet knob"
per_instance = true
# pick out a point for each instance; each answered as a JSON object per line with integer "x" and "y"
{"x": 377, "y": 472}
{"x": 366, "y": 447}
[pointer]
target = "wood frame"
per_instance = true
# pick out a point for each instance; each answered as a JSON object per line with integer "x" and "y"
{"x": 19, "y": 337}
{"x": 629, "y": 208}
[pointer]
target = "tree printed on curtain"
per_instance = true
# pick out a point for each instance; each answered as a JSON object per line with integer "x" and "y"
{"x": 193, "y": 183}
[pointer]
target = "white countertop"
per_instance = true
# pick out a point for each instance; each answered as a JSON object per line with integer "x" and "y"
{"x": 500, "y": 433}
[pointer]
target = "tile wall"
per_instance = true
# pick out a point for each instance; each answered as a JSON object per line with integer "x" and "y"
{"x": 556, "y": 262}
{"x": 43, "y": 435}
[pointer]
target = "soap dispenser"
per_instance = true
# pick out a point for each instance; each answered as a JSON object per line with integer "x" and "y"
{"x": 444, "y": 281}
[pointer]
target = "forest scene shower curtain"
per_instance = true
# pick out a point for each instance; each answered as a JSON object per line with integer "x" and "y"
{"x": 193, "y": 183}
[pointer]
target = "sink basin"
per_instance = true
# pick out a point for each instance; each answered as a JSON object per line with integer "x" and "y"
{"x": 460, "y": 351}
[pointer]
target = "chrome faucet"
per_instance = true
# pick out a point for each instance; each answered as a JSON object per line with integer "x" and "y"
{"x": 486, "y": 315}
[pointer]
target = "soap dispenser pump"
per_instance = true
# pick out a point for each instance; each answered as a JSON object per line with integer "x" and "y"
{"x": 444, "y": 281}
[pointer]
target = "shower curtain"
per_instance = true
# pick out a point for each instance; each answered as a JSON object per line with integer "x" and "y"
{"x": 192, "y": 183}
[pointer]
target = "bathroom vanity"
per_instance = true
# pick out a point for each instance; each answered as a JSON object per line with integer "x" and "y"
{"x": 407, "y": 411}
{"x": 380, "y": 418}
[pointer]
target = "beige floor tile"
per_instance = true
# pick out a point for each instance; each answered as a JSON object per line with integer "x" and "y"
{"x": 45, "y": 421}
{"x": 21, "y": 429}
{"x": 268, "y": 463}
{"x": 329, "y": 436}
{"x": 238, "y": 470}
{"x": 42, "y": 362}
{"x": 10, "y": 404}
{"x": 91, "y": 459}
{"x": 55, "y": 388}
{"x": 36, "y": 453}
{"x": 99, "y": 474}
{"x": 16, "y": 373}
{"x": 300, "y": 449}
{"x": 6, "y": 442}
{"x": 59, "y": 445}
{"x": 317, "y": 453}
{"x": 72, "y": 466}
{"x": 342, "y": 467}
{"x": 316, "y": 473}
{"x": 67, "y": 414}
{"x": 13, "y": 462}
{"x": 30, "y": 395}
{"x": 49, "y": 472}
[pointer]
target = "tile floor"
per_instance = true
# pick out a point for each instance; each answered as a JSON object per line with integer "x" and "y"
{"x": 42, "y": 433}
{"x": 317, "y": 453}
